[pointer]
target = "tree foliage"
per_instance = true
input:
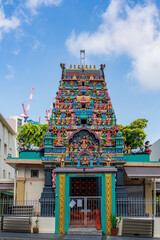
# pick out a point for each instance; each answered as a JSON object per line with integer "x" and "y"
{"x": 32, "y": 133}
{"x": 134, "y": 134}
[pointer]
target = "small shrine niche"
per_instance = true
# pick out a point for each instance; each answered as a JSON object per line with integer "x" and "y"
{"x": 83, "y": 141}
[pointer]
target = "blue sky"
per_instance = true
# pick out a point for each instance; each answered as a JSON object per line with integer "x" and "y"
{"x": 37, "y": 35}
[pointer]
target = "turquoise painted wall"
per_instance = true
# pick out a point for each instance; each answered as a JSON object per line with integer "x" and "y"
{"x": 30, "y": 155}
{"x": 137, "y": 157}
{"x": 57, "y": 205}
{"x": 103, "y": 222}
{"x": 113, "y": 195}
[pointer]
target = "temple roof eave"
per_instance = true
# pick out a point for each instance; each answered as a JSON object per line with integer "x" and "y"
{"x": 85, "y": 170}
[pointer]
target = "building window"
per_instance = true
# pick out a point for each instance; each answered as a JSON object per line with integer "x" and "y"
{"x": 19, "y": 122}
{"x": 82, "y": 83}
{"x": 83, "y": 121}
{"x": 4, "y": 173}
{"x": 5, "y": 149}
{"x": 10, "y": 151}
{"x": 83, "y": 105}
{"x": 34, "y": 173}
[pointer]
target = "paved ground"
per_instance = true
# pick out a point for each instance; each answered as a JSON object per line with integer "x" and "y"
{"x": 25, "y": 236}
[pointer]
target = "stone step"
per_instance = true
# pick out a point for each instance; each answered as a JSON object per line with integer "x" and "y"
{"x": 85, "y": 231}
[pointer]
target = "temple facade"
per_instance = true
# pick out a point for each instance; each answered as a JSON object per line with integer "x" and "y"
{"x": 83, "y": 150}
{"x": 82, "y": 167}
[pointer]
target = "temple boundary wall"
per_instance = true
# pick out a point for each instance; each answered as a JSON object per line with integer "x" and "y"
{"x": 45, "y": 224}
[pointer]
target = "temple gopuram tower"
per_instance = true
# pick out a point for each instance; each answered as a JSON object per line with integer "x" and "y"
{"x": 83, "y": 151}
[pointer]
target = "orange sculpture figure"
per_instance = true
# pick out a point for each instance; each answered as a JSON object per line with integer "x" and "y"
{"x": 84, "y": 142}
{"x": 108, "y": 139}
{"x": 98, "y": 221}
{"x": 59, "y": 140}
{"x": 85, "y": 160}
{"x": 62, "y": 161}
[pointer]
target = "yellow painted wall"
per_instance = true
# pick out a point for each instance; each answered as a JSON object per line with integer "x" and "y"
{"x": 148, "y": 197}
{"x": 20, "y": 190}
{"x": 29, "y": 188}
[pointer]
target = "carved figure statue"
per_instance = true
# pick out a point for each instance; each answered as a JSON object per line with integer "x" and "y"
{"x": 62, "y": 160}
{"x": 58, "y": 141}
{"x": 71, "y": 147}
{"x": 72, "y": 159}
{"x": 89, "y": 120}
{"x": 94, "y": 119}
{"x": 75, "y": 147}
{"x": 58, "y": 120}
{"x": 104, "y": 121}
{"x": 57, "y": 104}
{"x": 108, "y": 139}
{"x": 91, "y": 146}
{"x": 84, "y": 142}
{"x": 96, "y": 147}
{"x": 85, "y": 161}
{"x": 147, "y": 147}
{"x": 108, "y": 121}
{"x": 54, "y": 180}
{"x": 21, "y": 145}
{"x": 63, "y": 121}
{"x": 67, "y": 120}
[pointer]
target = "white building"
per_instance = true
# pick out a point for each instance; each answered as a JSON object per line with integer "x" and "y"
{"x": 15, "y": 122}
{"x": 155, "y": 154}
{"x": 8, "y": 147}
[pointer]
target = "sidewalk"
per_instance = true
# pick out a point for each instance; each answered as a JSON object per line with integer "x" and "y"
{"x": 43, "y": 236}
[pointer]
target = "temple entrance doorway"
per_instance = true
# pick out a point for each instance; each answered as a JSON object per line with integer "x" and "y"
{"x": 85, "y": 202}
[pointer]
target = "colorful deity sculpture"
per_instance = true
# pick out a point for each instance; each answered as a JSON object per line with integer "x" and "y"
{"x": 84, "y": 142}
{"x": 85, "y": 161}
{"x": 59, "y": 140}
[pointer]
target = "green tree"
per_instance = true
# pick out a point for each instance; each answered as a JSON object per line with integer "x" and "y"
{"x": 134, "y": 134}
{"x": 32, "y": 133}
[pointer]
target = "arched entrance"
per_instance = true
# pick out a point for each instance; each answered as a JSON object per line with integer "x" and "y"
{"x": 82, "y": 205}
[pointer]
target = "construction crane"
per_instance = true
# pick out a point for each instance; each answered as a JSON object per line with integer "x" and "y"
{"x": 28, "y": 106}
{"x": 48, "y": 112}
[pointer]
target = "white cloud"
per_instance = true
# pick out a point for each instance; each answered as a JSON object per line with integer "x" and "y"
{"x": 34, "y": 4}
{"x": 36, "y": 44}
{"x": 16, "y": 51}
{"x": 10, "y": 75}
{"x": 134, "y": 31}
{"x": 8, "y": 2}
{"x": 7, "y": 24}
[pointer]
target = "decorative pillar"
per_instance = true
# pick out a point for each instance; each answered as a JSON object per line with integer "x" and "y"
{"x": 121, "y": 192}
{"x": 62, "y": 204}
{"x": 120, "y": 189}
{"x": 48, "y": 194}
{"x": 108, "y": 187}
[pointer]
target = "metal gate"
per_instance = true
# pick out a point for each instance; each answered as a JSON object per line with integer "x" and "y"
{"x": 84, "y": 211}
